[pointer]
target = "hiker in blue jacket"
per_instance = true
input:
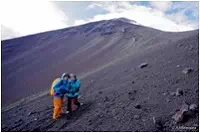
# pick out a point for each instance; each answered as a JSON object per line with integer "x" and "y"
{"x": 58, "y": 90}
{"x": 73, "y": 92}
{"x": 61, "y": 87}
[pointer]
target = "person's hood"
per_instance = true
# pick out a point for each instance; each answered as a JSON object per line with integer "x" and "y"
{"x": 63, "y": 75}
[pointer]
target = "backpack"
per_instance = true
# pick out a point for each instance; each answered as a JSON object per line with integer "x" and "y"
{"x": 52, "y": 86}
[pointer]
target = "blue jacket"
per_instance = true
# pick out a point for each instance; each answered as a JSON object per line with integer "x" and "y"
{"x": 73, "y": 88}
{"x": 60, "y": 88}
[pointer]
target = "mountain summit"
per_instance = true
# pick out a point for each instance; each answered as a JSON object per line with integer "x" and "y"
{"x": 126, "y": 20}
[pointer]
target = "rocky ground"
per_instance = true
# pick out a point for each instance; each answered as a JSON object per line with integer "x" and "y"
{"x": 151, "y": 85}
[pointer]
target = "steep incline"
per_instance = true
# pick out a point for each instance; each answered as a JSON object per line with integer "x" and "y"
{"x": 29, "y": 64}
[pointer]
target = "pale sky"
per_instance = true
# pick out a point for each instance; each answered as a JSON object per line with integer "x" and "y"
{"x": 20, "y": 18}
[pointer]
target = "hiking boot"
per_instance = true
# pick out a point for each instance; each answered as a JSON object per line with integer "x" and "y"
{"x": 68, "y": 112}
{"x": 79, "y": 105}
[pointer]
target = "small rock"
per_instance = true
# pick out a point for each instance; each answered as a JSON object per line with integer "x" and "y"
{"x": 143, "y": 65}
{"x": 173, "y": 93}
{"x": 164, "y": 94}
{"x": 106, "y": 99}
{"x": 100, "y": 116}
{"x": 35, "y": 119}
{"x": 168, "y": 100}
{"x": 18, "y": 121}
{"x": 180, "y": 45}
{"x": 193, "y": 107}
{"x": 154, "y": 120}
{"x": 177, "y": 65}
{"x": 169, "y": 61}
{"x": 158, "y": 123}
{"x": 191, "y": 48}
{"x": 184, "y": 108}
{"x": 126, "y": 70}
{"x": 137, "y": 106}
{"x": 107, "y": 106}
{"x": 187, "y": 70}
{"x": 177, "y": 81}
{"x": 136, "y": 117}
{"x": 131, "y": 97}
{"x": 179, "y": 92}
{"x": 135, "y": 91}
{"x": 143, "y": 120}
{"x": 30, "y": 113}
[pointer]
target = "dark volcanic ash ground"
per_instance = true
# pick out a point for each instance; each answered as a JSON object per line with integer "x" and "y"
{"x": 134, "y": 78}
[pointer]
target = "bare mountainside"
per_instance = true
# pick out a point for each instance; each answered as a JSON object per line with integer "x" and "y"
{"x": 134, "y": 78}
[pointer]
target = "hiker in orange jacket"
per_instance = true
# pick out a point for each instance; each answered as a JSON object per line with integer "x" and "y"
{"x": 58, "y": 90}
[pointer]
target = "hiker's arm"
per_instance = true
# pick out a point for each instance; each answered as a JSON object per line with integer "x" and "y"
{"x": 77, "y": 85}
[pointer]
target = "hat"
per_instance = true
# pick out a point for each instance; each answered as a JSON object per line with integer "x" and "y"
{"x": 64, "y": 75}
{"x": 72, "y": 75}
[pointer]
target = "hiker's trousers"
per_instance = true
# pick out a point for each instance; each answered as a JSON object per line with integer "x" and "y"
{"x": 70, "y": 101}
{"x": 57, "y": 102}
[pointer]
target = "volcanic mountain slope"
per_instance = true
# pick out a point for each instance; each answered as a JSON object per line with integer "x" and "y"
{"x": 118, "y": 93}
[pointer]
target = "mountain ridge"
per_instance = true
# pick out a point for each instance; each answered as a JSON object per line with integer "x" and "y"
{"x": 121, "y": 19}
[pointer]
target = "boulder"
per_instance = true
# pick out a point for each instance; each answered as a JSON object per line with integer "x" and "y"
{"x": 187, "y": 70}
{"x": 181, "y": 114}
{"x": 143, "y": 65}
{"x": 179, "y": 92}
{"x": 193, "y": 107}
